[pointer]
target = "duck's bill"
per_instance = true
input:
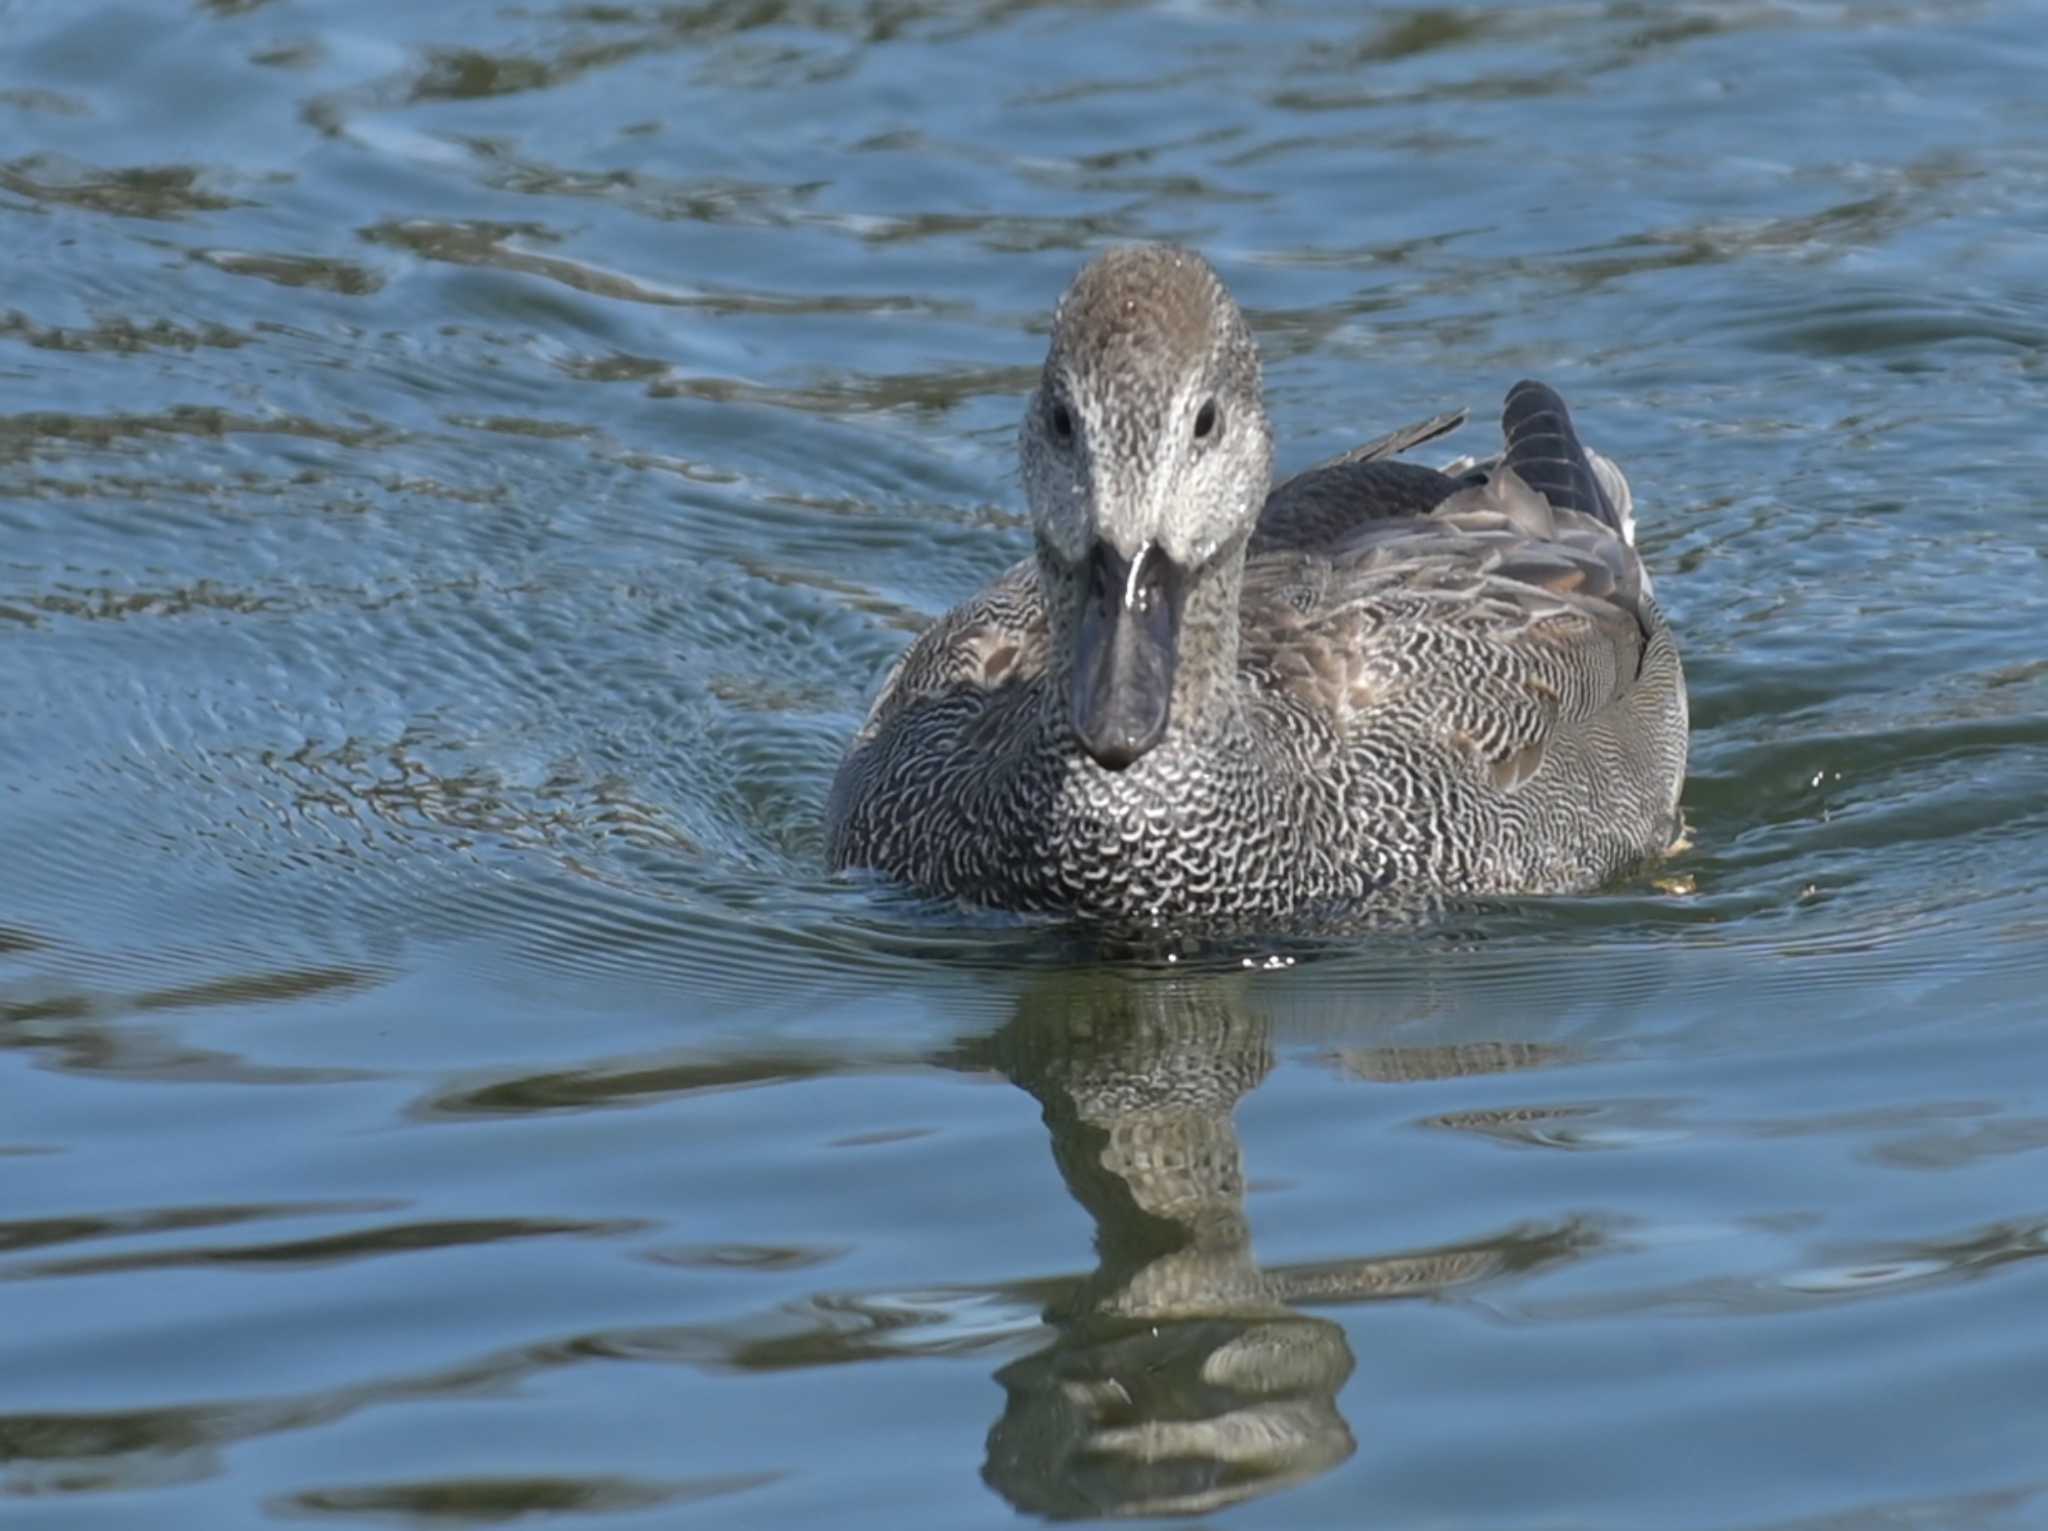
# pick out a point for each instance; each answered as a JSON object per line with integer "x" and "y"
{"x": 1127, "y": 651}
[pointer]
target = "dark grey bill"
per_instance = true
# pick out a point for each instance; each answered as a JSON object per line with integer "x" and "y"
{"x": 1124, "y": 659}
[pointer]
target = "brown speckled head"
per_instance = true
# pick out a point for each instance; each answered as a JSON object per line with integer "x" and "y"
{"x": 1146, "y": 428}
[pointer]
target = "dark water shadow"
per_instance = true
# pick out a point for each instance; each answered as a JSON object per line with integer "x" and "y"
{"x": 75, "y": 1022}
{"x": 481, "y": 1501}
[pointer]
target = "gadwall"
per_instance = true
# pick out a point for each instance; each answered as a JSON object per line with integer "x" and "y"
{"x": 1207, "y": 699}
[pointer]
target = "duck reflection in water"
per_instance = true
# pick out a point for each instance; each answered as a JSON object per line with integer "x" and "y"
{"x": 1180, "y": 1379}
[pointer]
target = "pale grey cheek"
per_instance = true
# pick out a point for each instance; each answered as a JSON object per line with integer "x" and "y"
{"x": 1209, "y": 506}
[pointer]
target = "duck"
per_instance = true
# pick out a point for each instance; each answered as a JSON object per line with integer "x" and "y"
{"x": 1204, "y": 698}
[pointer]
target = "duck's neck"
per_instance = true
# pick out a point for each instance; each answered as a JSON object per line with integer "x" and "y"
{"x": 1205, "y": 685}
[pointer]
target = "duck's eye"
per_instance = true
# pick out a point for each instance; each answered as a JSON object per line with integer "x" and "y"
{"x": 1205, "y": 421}
{"x": 1063, "y": 422}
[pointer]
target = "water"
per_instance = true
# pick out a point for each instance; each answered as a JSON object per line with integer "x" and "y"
{"x": 463, "y": 469}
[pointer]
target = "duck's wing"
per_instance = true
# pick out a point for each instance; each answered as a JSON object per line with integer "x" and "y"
{"x": 1494, "y": 621}
{"x": 1320, "y": 505}
{"x": 994, "y": 641}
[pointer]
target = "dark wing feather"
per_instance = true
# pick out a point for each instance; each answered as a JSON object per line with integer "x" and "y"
{"x": 1319, "y": 504}
{"x": 1544, "y": 448}
{"x": 1399, "y": 440}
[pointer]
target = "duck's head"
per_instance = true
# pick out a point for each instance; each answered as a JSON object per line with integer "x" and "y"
{"x": 1147, "y": 457}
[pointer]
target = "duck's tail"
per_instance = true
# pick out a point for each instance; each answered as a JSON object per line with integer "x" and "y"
{"x": 1544, "y": 448}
